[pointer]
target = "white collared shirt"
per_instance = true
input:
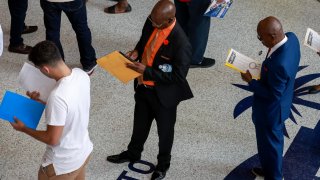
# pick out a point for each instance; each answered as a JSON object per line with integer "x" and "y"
{"x": 275, "y": 47}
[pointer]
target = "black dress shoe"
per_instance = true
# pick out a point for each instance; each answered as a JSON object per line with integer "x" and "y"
{"x": 121, "y": 158}
{"x": 257, "y": 171}
{"x": 21, "y": 49}
{"x": 206, "y": 63}
{"x": 157, "y": 175}
{"x": 314, "y": 89}
{"x": 29, "y": 29}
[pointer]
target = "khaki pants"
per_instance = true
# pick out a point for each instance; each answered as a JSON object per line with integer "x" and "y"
{"x": 48, "y": 173}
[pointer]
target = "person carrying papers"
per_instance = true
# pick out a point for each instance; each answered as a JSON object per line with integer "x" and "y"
{"x": 273, "y": 94}
{"x": 162, "y": 56}
{"x": 67, "y": 116}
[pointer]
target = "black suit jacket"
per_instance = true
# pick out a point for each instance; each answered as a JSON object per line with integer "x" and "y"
{"x": 171, "y": 87}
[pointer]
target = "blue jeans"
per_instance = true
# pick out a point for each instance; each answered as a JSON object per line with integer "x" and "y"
{"x": 77, "y": 14}
{"x": 18, "y": 9}
{"x": 195, "y": 25}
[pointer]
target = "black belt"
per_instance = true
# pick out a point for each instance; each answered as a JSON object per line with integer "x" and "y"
{"x": 146, "y": 86}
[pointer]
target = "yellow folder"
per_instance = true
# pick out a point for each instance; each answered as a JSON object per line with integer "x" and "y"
{"x": 115, "y": 64}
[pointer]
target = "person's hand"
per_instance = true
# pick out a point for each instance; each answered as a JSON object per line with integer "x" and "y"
{"x": 136, "y": 66}
{"x": 35, "y": 96}
{"x": 17, "y": 124}
{"x": 247, "y": 77}
{"x": 133, "y": 55}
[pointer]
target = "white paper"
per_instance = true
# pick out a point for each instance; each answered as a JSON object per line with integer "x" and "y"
{"x": 242, "y": 63}
{"x": 312, "y": 40}
{"x": 1, "y": 41}
{"x": 31, "y": 79}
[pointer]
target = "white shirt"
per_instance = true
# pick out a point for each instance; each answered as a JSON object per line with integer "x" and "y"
{"x": 275, "y": 47}
{"x": 68, "y": 105}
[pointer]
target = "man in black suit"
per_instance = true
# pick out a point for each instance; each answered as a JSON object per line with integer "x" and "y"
{"x": 164, "y": 55}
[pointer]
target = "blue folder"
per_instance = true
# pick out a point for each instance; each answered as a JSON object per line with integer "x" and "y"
{"x": 25, "y": 109}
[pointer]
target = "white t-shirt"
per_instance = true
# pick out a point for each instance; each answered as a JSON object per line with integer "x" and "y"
{"x": 68, "y": 105}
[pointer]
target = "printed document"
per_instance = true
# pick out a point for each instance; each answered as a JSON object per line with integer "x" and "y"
{"x": 31, "y": 79}
{"x": 242, "y": 63}
{"x": 218, "y": 10}
{"x": 312, "y": 40}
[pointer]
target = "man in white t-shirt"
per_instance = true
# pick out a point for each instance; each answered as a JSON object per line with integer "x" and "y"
{"x": 67, "y": 117}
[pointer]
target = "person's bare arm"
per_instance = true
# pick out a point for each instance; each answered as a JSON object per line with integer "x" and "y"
{"x": 51, "y": 136}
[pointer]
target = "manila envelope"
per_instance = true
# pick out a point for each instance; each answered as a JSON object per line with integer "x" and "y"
{"x": 115, "y": 64}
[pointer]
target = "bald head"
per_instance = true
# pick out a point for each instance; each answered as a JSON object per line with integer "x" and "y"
{"x": 163, "y": 14}
{"x": 270, "y": 31}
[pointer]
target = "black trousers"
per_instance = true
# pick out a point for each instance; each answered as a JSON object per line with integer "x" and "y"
{"x": 18, "y": 9}
{"x": 76, "y": 12}
{"x": 147, "y": 108}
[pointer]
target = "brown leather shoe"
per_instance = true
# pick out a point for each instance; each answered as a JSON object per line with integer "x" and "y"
{"x": 314, "y": 89}
{"x": 29, "y": 29}
{"x": 21, "y": 49}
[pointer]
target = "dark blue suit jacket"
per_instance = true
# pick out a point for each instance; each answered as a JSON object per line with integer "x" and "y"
{"x": 273, "y": 93}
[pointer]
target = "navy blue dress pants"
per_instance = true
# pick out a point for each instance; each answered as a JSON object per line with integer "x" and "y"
{"x": 77, "y": 14}
{"x": 18, "y": 9}
{"x": 195, "y": 25}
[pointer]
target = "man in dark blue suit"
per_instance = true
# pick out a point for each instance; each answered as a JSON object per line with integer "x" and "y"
{"x": 273, "y": 94}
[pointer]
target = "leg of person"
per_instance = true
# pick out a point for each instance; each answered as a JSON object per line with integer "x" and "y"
{"x": 182, "y": 15}
{"x": 166, "y": 119}
{"x": 52, "y": 22}
{"x": 42, "y": 175}
{"x": 48, "y": 173}
{"x": 18, "y": 9}
{"x": 270, "y": 150}
{"x": 143, "y": 117}
{"x": 82, "y": 171}
{"x": 76, "y": 12}
{"x": 198, "y": 33}
{"x": 121, "y": 7}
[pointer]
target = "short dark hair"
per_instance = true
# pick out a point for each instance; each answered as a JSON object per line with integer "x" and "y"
{"x": 45, "y": 53}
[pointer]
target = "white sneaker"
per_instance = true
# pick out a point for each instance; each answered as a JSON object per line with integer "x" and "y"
{"x": 90, "y": 71}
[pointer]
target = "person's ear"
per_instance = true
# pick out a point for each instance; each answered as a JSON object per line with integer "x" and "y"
{"x": 45, "y": 69}
{"x": 171, "y": 20}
